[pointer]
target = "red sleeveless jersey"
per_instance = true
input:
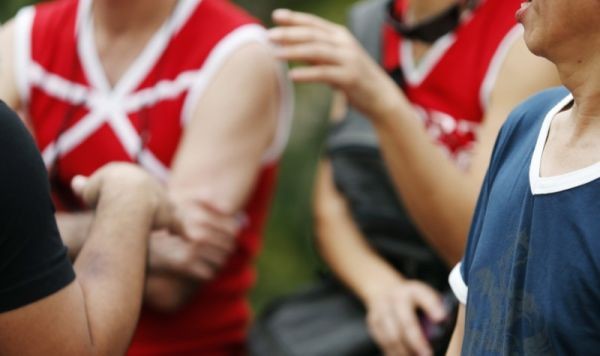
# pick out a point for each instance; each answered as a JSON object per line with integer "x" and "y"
{"x": 81, "y": 123}
{"x": 451, "y": 85}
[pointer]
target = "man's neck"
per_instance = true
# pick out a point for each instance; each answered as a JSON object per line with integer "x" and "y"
{"x": 117, "y": 17}
{"x": 419, "y": 10}
{"x": 581, "y": 75}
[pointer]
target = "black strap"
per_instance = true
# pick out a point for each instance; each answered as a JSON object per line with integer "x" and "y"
{"x": 429, "y": 30}
{"x": 398, "y": 76}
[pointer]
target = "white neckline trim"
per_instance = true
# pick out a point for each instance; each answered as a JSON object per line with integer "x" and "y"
{"x": 416, "y": 74}
{"x": 554, "y": 184}
{"x": 143, "y": 64}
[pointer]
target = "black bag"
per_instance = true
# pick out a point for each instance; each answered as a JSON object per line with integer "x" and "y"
{"x": 327, "y": 320}
{"x": 322, "y": 320}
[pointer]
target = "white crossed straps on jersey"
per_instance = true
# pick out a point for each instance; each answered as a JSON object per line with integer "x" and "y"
{"x": 110, "y": 109}
{"x": 113, "y": 107}
{"x": 105, "y": 105}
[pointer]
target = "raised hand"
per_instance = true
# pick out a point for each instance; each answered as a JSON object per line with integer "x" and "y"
{"x": 334, "y": 57}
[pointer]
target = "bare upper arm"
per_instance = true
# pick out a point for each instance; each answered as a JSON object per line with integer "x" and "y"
{"x": 327, "y": 201}
{"x": 232, "y": 126}
{"x": 8, "y": 84}
{"x": 55, "y": 325}
{"x": 521, "y": 75}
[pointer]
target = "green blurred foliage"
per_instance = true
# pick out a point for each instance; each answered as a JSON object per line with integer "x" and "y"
{"x": 288, "y": 259}
{"x": 8, "y": 8}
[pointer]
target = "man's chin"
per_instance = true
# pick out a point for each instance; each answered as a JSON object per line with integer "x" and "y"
{"x": 532, "y": 44}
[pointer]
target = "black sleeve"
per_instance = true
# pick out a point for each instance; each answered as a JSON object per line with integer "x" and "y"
{"x": 33, "y": 259}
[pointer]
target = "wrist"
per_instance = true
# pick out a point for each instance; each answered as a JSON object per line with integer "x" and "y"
{"x": 373, "y": 290}
{"x": 132, "y": 204}
{"x": 387, "y": 100}
{"x": 386, "y": 107}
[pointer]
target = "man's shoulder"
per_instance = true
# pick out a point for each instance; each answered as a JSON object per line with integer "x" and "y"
{"x": 520, "y": 131}
{"x": 18, "y": 153}
{"x": 531, "y": 112}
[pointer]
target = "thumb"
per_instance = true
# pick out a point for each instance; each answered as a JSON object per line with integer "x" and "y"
{"x": 167, "y": 217}
{"x": 78, "y": 184}
{"x": 430, "y": 302}
{"x": 88, "y": 189}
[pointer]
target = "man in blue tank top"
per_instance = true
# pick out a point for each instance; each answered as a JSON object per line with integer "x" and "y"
{"x": 530, "y": 278}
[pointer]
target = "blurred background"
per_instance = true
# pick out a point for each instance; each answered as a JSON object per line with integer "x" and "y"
{"x": 288, "y": 259}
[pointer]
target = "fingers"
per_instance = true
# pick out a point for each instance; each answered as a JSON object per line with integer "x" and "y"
{"x": 285, "y": 17}
{"x": 204, "y": 220}
{"x": 411, "y": 329}
{"x": 219, "y": 219}
{"x": 315, "y": 53}
{"x": 296, "y": 35}
{"x": 201, "y": 271}
{"x": 211, "y": 255}
{"x": 168, "y": 217}
{"x": 429, "y": 301}
{"x": 394, "y": 320}
{"x": 172, "y": 254}
{"x": 386, "y": 332}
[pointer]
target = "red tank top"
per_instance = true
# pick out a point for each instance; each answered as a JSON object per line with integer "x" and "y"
{"x": 451, "y": 85}
{"x": 81, "y": 123}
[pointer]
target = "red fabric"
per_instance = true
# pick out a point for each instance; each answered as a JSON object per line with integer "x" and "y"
{"x": 452, "y": 88}
{"x": 215, "y": 322}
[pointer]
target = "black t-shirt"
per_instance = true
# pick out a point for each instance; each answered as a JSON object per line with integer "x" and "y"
{"x": 33, "y": 259}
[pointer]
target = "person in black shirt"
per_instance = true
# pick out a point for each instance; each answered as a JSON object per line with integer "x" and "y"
{"x": 47, "y": 305}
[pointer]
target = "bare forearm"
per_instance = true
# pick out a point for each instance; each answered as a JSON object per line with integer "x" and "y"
{"x": 438, "y": 195}
{"x": 110, "y": 270}
{"x": 353, "y": 260}
{"x": 74, "y": 228}
{"x": 342, "y": 244}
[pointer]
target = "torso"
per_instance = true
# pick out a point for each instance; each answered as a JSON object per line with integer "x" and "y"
{"x": 468, "y": 59}
{"x": 83, "y": 119}
{"x": 533, "y": 261}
